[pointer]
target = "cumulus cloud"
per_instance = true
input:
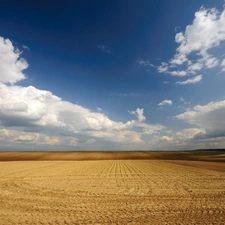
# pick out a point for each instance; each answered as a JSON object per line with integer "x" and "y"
{"x": 208, "y": 117}
{"x": 12, "y": 64}
{"x": 151, "y": 129}
{"x": 165, "y": 102}
{"x": 73, "y": 142}
{"x": 193, "y": 80}
{"x": 183, "y": 139}
{"x": 12, "y": 136}
{"x": 34, "y": 108}
{"x": 46, "y": 140}
{"x": 139, "y": 113}
{"x": 4, "y": 133}
{"x": 206, "y": 32}
{"x": 26, "y": 137}
{"x": 33, "y": 116}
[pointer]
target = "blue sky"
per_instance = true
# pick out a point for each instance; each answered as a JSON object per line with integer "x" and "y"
{"x": 112, "y": 75}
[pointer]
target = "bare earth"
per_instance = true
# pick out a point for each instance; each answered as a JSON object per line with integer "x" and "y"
{"x": 112, "y": 191}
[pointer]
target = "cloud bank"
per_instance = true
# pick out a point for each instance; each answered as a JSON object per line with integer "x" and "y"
{"x": 31, "y": 115}
{"x": 208, "y": 117}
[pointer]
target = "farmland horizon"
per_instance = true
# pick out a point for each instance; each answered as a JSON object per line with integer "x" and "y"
{"x": 216, "y": 155}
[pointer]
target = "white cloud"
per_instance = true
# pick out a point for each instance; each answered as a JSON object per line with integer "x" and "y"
{"x": 105, "y": 48}
{"x": 90, "y": 141}
{"x": 139, "y": 113}
{"x": 183, "y": 139}
{"x": 179, "y": 59}
{"x": 223, "y": 65}
{"x": 209, "y": 117}
{"x": 31, "y": 138}
{"x": 38, "y": 117}
{"x": 4, "y": 133}
{"x": 38, "y": 109}
{"x": 177, "y": 28}
{"x": 51, "y": 140}
{"x": 206, "y": 32}
{"x": 26, "y": 48}
{"x": 208, "y": 60}
{"x": 181, "y": 99}
{"x": 178, "y": 73}
{"x": 165, "y": 138}
{"x": 163, "y": 68}
{"x": 165, "y": 102}
{"x": 151, "y": 129}
{"x": 73, "y": 142}
{"x": 193, "y": 80}
{"x": 26, "y": 137}
{"x": 192, "y": 68}
{"x": 145, "y": 63}
{"x": 12, "y": 64}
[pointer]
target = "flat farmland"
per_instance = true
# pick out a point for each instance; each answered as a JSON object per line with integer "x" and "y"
{"x": 112, "y": 192}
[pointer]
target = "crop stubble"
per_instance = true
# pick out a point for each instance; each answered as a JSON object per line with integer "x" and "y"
{"x": 112, "y": 192}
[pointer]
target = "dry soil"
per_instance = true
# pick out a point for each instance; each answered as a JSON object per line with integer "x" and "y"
{"x": 112, "y": 192}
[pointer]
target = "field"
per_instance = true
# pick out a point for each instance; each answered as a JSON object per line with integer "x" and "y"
{"x": 99, "y": 188}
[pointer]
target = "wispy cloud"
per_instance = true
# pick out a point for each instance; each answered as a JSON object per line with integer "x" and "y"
{"x": 193, "y": 80}
{"x": 125, "y": 94}
{"x": 105, "y": 49}
{"x": 145, "y": 63}
{"x": 177, "y": 28}
{"x": 26, "y": 47}
{"x": 223, "y": 65}
{"x": 181, "y": 99}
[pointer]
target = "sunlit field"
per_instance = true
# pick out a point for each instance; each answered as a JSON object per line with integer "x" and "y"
{"x": 128, "y": 191}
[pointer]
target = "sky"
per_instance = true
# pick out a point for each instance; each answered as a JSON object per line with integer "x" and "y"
{"x": 112, "y": 75}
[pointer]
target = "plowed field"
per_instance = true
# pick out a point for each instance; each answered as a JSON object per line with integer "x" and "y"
{"x": 112, "y": 192}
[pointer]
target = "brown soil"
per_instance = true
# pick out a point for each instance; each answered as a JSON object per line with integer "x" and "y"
{"x": 71, "y": 156}
{"x": 111, "y": 191}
